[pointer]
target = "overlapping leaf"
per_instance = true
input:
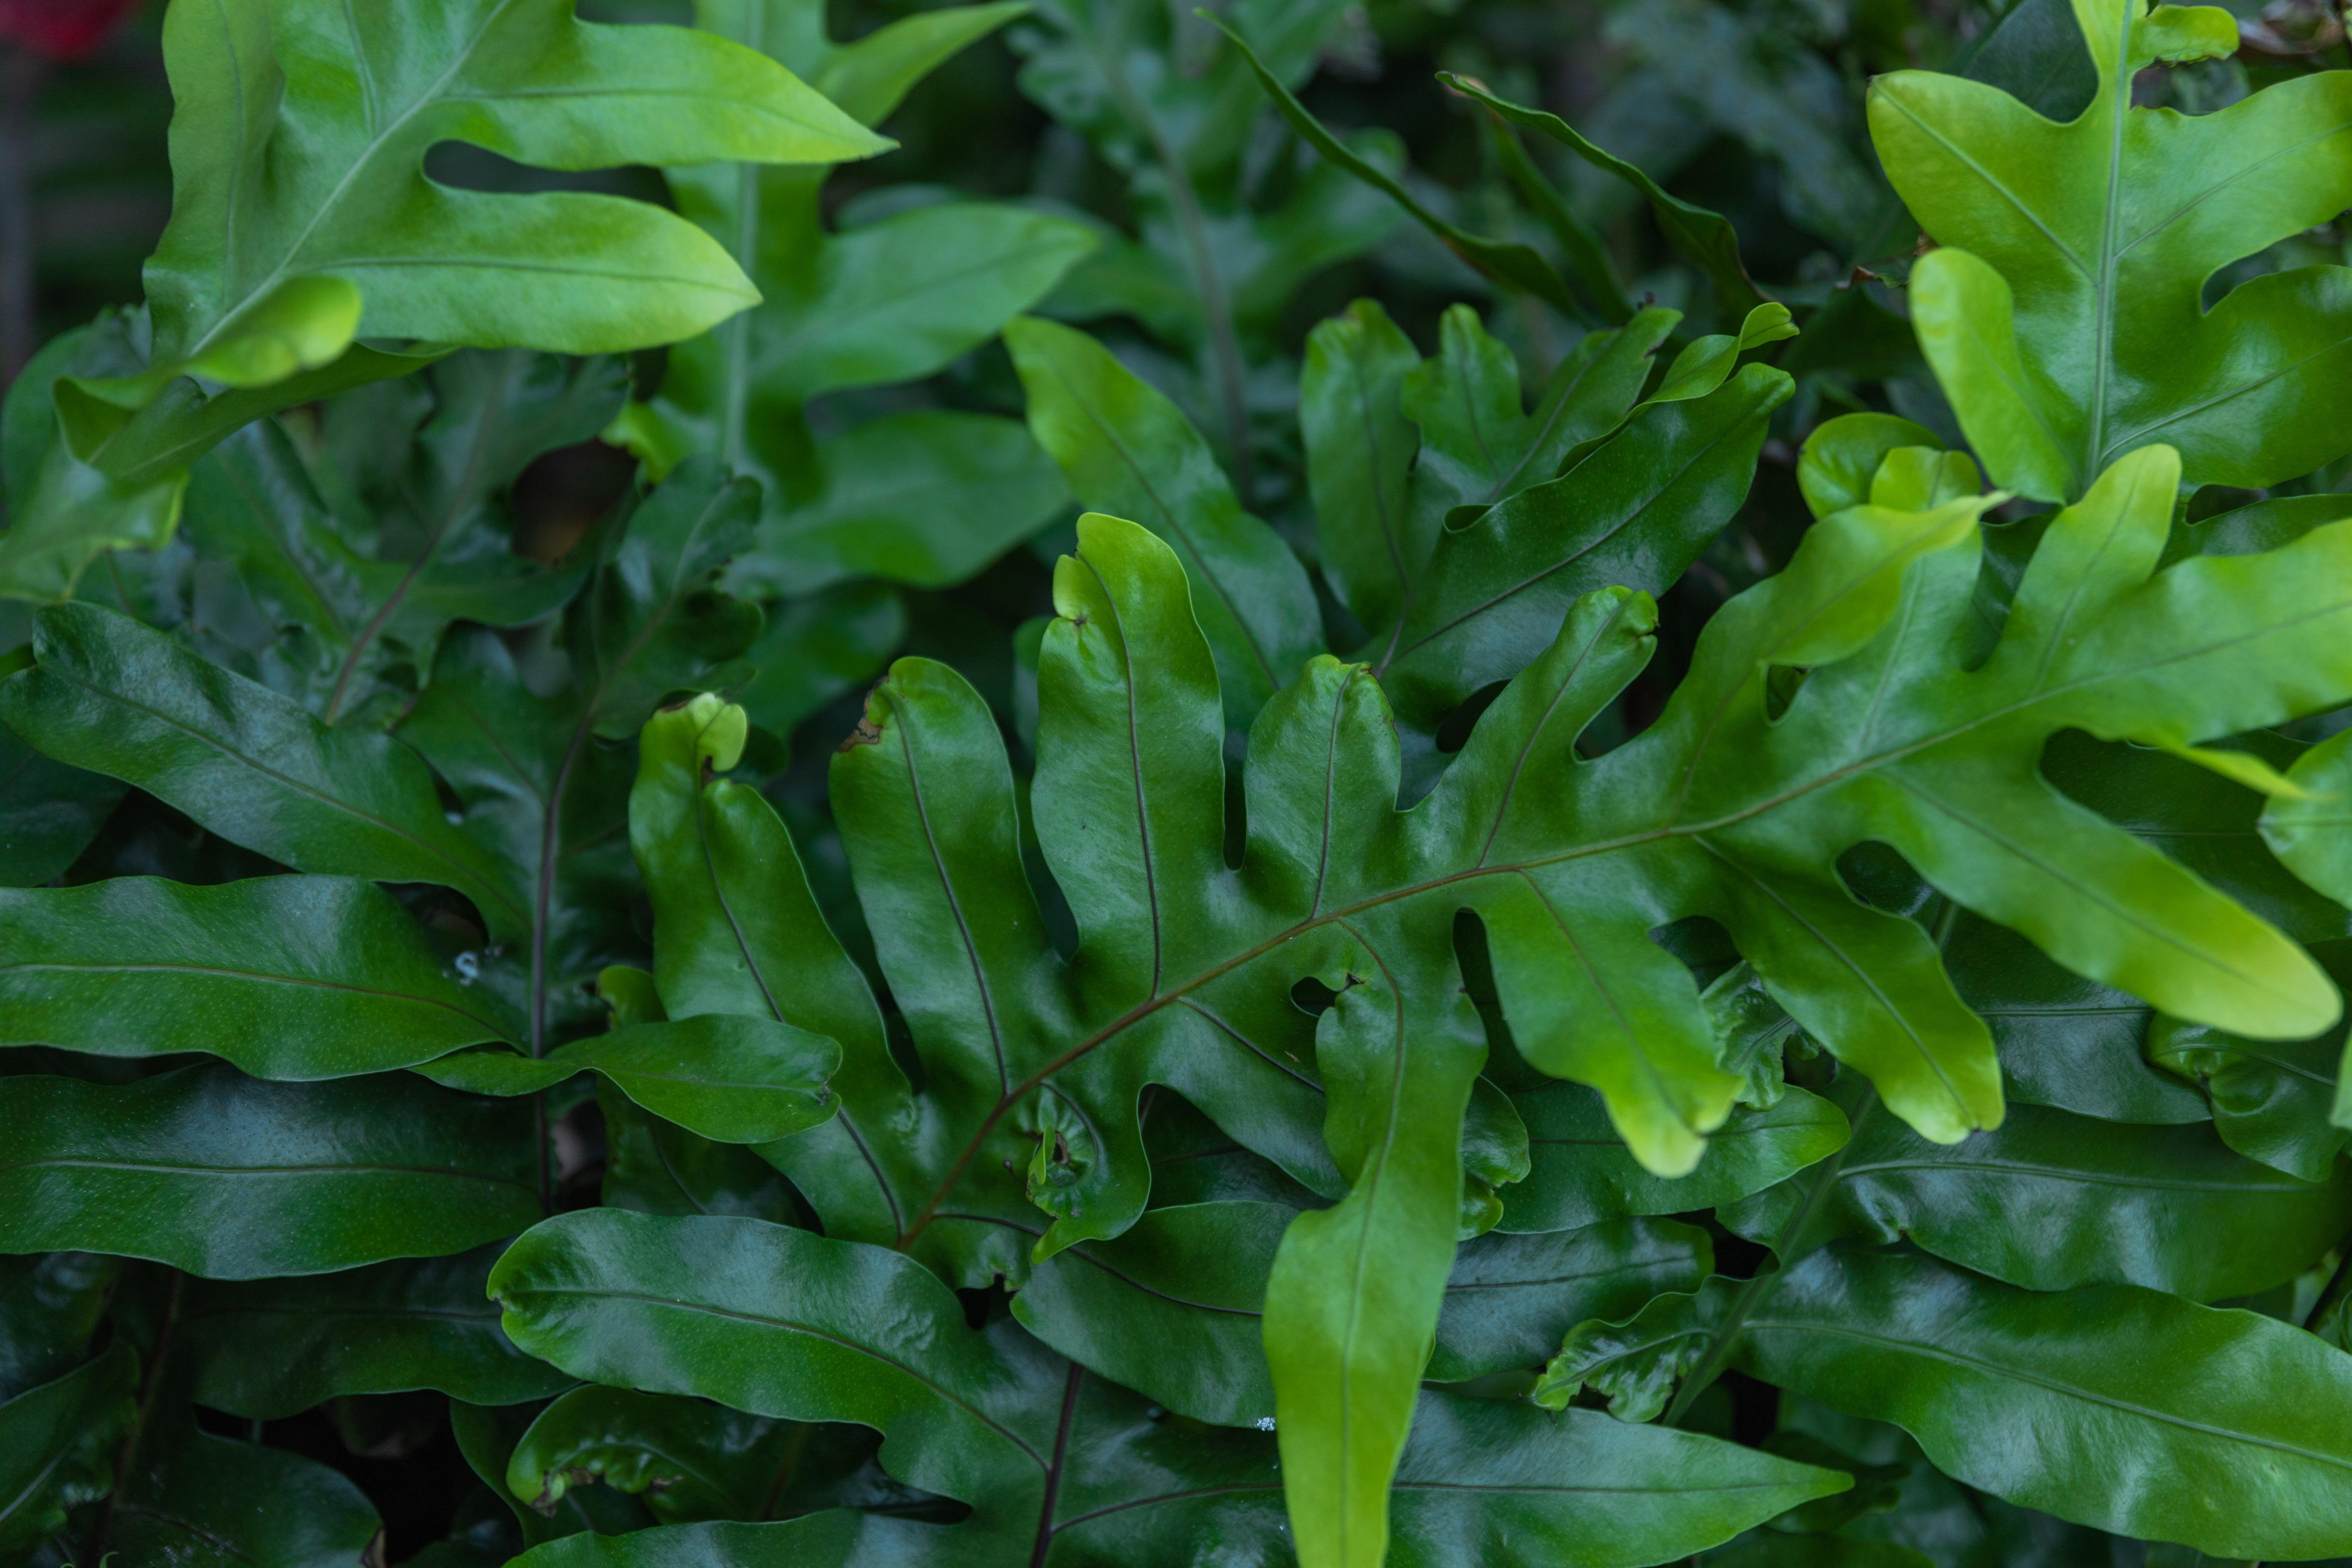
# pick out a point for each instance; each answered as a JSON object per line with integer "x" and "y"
{"x": 1058, "y": 1466}
{"x": 923, "y": 497}
{"x": 1726, "y": 807}
{"x": 303, "y": 217}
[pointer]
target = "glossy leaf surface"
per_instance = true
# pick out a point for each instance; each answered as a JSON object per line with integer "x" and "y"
{"x": 233, "y": 1179}
{"x": 2064, "y": 314}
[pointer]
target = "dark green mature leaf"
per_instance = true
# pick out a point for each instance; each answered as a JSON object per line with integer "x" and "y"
{"x": 1059, "y": 1469}
{"x": 111, "y": 696}
{"x": 1506, "y": 261}
{"x": 1172, "y": 1308}
{"x": 2065, "y": 313}
{"x": 2050, "y": 1200}
{"x": 2064, "y": 1040}
{"x": 230, "y": 1177}
{"x": 287, "y": 976}
{"x": 58, "y": 1445}
{"x": 358, "y": 584}
{"x": 733, "y": 1079}
{"x": 812, "y": 650}
{"x": 693, "y": 1460}
{"x": 657, "y": 1168}
{"x": 214, "y": 1502}
{"x": 928, "y": 498}
{"x": 2091, "y": 1403}
{"x": 488, "y": 1436}
{"x": 1462, "y": 556}
{"x": 1770, "y": 1549}
{"x": 48, "y": 812}
{"x": 303, "y": 216}
{"x": 1583, "y": 1174}
{"x": 272, "y": 1348}
{"x": 51, "y": 1304}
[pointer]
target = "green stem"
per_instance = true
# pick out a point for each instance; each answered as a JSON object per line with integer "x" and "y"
{"x": 1753, "y": 1294}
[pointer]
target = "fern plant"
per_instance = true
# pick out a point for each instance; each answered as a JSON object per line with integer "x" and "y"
{"x": 1533, "y": 955}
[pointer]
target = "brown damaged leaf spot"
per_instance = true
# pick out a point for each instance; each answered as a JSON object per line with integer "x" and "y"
{"x": 868, "y": 733}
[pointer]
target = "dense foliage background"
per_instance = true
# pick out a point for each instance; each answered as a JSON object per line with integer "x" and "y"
{"x": 1089, "y": 272}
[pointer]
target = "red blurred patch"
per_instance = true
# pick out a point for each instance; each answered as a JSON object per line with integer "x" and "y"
{"x": 61, "y": 29}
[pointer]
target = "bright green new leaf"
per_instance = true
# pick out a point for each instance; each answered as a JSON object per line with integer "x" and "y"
{"x": 2065, "y": 313}
{"x": 1889, "y": 738}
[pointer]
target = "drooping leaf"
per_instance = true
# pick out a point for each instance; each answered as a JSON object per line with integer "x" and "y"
{"x": 268, "y": 1349}
{"x": 290, "y": 978}
{"x": 231, "y": 1177}
{"x": 2123, "y": 1390}
{"x": 692, "y": 1460}
{"x": 48, "y": 812}
{"x": 2064, "y": 311}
